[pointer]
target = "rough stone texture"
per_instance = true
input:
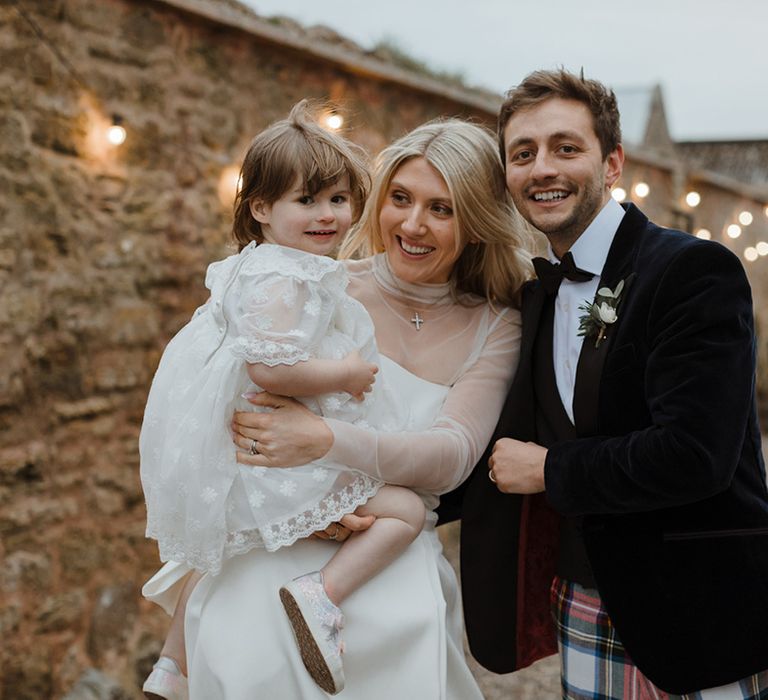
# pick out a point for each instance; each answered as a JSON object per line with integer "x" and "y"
{"x": 102, "y": 257}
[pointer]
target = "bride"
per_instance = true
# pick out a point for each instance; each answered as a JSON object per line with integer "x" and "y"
{"x": 445, "y": 257}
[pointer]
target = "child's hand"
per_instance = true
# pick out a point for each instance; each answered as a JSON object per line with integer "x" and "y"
{"x": 360, "y": 375}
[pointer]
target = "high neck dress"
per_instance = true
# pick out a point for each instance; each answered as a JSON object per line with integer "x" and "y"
{"x": 403, "y": 631}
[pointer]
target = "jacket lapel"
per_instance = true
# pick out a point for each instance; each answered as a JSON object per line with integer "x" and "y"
{"x": 619, "y": 265}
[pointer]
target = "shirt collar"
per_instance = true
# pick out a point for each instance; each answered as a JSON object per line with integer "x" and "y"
{"x": 590, "y": 250}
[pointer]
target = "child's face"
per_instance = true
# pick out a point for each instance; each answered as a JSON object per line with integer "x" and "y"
{"x": 312, "y": 223}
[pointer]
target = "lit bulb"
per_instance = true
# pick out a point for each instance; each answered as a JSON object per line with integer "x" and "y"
{"x": 762, "y": 248}
{"x": 619, "y": 194}
{"x": 704, "y": 234}
{"x": 116, "y": 135}
{"x": 692, "y": 199}
{"x": 766, "y": 211}
{"x": 642, "y": 190}
{"x": 734, "y": 230}
{"x": 334, "y": 121}
{"x": 751, "y": 254}
{"x": 745, "y": 218}
{"x": 230, "y": 182}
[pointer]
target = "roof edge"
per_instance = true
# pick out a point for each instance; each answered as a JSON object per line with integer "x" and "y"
{"x": 243, "y": 20}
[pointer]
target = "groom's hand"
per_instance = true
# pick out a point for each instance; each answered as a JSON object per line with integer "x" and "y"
{"x": 517, "y": 467}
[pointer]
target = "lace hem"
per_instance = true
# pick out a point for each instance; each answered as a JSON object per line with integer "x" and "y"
{"x": 272, "y": 536}
{"x": 268, "y": 352}
{"x": 286, "y": 531}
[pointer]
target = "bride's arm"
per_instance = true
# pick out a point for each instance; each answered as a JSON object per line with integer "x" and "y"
{"x": 436, "y": 459}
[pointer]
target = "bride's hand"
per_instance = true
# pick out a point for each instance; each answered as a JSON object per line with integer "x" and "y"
{"x": 349, "y": 523}
{"x": 287, "y": 436}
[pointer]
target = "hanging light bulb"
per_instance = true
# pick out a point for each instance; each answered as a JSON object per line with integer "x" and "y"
{"x": 745, "y": 218}
{"x": 751, "y": 253}
{"x": 704, "y": 234}
{"x": 762, "y": 248}
{"x": 733, "y": 231}
{"x": 642, "y": 190}
{"x": 692, "y": 199}
{"x": 332, "y": 120}
{"x": 619, "y": 194}
{"x": 116, "y": 133}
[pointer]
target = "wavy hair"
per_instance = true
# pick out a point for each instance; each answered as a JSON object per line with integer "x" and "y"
{"x": 497, "y": 261}
{"x": 291, "y": 147}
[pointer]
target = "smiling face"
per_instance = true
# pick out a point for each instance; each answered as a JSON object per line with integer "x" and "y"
{"x": 555, "y": 170}
{"x": 314, "y": 223}
{"x": 418, "y": 225}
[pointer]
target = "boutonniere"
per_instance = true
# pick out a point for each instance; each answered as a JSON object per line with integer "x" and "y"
{"x": 601, "y": 313}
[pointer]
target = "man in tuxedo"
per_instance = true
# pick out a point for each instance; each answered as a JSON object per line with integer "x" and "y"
{"x": 626, "y": 469}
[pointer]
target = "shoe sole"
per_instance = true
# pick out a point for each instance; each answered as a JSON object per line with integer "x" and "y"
{"x": 311, "y": 655}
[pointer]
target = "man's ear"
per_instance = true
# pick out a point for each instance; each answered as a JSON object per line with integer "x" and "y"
{"x": 614, "y": 164}
{"x": 260, "y": 211}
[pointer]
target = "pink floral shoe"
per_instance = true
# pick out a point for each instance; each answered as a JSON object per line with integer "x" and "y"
{"x": 317, "y": 625}
{"x": 166, "y": 682}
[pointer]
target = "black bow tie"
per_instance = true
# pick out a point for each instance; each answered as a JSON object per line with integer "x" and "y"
{"x": 551, "y": 275}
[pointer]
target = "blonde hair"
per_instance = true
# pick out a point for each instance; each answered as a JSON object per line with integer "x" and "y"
{"x": 291, "y": 147}
{"x": 496, "y": 262}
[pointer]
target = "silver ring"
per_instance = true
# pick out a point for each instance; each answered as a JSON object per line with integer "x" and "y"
{"x": 335, "y": 532}
{"x": 491, "y": 476}
{"x": 254, "y": 450}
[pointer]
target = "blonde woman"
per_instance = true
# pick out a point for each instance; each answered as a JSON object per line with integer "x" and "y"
{"x": 444, "y": 256}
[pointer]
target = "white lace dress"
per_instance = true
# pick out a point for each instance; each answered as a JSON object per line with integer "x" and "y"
{"x": 272, "y": 305}
{"x": 403, "y": 632}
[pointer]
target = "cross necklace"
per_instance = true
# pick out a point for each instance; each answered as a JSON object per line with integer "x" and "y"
{"x": 417, "y": 321}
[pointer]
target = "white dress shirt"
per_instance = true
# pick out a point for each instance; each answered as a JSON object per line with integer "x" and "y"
{"x": 589, "y": 253}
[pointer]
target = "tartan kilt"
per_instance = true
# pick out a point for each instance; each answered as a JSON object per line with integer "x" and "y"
{"x": 595, "y": 666}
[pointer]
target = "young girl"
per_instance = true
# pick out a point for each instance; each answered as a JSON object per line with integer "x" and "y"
{"x": 278, "y": 318}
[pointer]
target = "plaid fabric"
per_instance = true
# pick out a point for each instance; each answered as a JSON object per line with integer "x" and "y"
{"x": 594, "y": 665}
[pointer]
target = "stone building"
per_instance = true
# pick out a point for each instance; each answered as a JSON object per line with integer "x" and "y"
{"x": 102, "y": 253}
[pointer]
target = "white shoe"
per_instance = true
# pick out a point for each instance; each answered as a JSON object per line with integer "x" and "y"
{"x": 166, "y": 681}
{"x": 317, "y": 625}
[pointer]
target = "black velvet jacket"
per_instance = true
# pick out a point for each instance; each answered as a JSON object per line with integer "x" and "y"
{"x": 667, "y": 472}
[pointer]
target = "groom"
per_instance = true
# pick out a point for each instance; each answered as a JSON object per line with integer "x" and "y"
{"x": 626, "y": 469}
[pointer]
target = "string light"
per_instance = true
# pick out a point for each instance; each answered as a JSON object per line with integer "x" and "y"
{"x": 692, "y": 199}
{"x": 230, "y": 183}
{"x": 619, "y": 194}
{"x": 745, "y": 218}
{"x": 704, "y": 234}
{"x": 751, "y": 254}
{"x": 116, "y": 133}
{"x": 733, "y": 231}
{"x": 642, "y": 190}
{"x": 762, "y": 248}
{"x": 332, "y": 120}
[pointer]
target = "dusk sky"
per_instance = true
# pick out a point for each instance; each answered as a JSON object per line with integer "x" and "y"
{"x": 709, "y": 56}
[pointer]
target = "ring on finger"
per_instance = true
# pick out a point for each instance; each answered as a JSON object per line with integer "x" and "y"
{"x": 254, "y": 449}
{"x": 335, "y": 534}
{"x": 491, "y": 476}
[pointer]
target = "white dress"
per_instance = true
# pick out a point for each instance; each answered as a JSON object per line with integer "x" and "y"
{"x": 272, "y": 305}
{"x": 403, "y": 632}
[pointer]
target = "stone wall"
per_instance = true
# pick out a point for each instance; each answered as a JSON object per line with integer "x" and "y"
{"x": 102, "y": 255}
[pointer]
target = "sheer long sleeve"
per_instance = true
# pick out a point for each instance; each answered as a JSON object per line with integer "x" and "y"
{"x": 441, "y": 457}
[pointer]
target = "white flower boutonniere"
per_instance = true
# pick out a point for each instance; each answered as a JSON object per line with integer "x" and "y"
{"x": 601, "y": 313}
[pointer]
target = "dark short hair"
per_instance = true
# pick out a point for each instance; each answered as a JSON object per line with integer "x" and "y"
{"x": 296, "y": 147}
{"x": 541, "y": 85}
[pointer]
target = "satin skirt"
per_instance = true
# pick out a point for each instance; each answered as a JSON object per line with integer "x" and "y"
{"x": 403, "y": 631}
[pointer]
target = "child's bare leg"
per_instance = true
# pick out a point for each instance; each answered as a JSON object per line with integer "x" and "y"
{"x": 175, "y": 641}
{"x": 400, "y": 517}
